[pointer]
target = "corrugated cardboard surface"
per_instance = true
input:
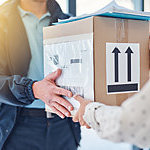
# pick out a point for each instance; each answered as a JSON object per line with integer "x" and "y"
{"x": 73, "y": 28}
{"x": 118, "y": 31}
{"x": 108, "y": 30}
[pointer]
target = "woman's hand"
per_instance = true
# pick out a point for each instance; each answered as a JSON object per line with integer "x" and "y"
{"x": 79, "y": 115}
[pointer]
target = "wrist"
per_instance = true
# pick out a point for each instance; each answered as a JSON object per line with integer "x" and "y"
{"x": 34, "y": 89}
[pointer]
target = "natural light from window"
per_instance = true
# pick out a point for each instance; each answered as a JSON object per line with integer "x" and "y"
{"x": 94, "y": 5}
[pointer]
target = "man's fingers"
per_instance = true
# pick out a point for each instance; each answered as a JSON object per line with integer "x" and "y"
{"x": 53, "y": 76}
{"x": 61, "y": 91}
{"x": 78, "y": 98}
{"x": 56, "y": 111}
{"x": 63, "y": 102}
{"x": 61, "y": 109}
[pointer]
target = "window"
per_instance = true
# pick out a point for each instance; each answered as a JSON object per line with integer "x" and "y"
{"x": 63, "y": 4}
{"x": 2, "y": 1}
{"x": 89, "y": 6}
{"x": 147, "y": 5}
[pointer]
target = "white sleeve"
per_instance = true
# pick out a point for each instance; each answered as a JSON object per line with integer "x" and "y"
{"x": 128, "y": 123}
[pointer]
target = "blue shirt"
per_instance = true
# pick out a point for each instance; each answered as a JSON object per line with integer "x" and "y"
{"x": 34, "y": 29}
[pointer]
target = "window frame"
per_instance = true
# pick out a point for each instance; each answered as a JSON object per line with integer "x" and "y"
{"x": 71, "y": 7}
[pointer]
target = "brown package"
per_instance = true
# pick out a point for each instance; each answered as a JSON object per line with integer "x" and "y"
{"x": 108, "y": 30}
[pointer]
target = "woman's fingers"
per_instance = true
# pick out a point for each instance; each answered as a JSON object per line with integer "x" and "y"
{"x": 81, "y": 120}
{"x": 78, "y": 98}
{"x": 87, "y": 126}
{"x": 79, "y": 116}
{"x": 76, "y": 117}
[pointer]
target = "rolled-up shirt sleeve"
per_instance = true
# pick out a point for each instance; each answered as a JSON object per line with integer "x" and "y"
{"x": 128, "y": 123}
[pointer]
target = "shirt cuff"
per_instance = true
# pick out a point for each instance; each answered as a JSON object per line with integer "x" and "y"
{"x": 29, "y": 90}
{"x": 89, "y": 115}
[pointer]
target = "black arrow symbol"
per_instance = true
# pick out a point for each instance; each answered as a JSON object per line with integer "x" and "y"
{"x": 129, "y": 52}
{"x": 116, "y": 52}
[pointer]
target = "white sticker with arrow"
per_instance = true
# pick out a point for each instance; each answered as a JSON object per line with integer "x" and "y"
{"x": 122, "y": 67}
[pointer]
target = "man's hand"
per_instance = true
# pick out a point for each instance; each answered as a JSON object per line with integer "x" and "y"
{"x": 50, "y": 94}
{"x": 79, "y": 115}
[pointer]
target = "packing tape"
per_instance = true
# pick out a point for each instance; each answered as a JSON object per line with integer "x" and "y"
{"x": 121, "y": 27}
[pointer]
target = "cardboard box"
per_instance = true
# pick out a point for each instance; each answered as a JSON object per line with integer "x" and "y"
{"x": 120, "y": 54}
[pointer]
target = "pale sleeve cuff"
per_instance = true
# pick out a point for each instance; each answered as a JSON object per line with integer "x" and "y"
{"x": 89, "y": 115}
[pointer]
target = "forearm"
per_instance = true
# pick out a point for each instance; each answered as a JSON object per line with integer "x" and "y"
{"x": 128, "y": 123}
{"x": 16, "y": 90}
{"x": 105, "y": 120}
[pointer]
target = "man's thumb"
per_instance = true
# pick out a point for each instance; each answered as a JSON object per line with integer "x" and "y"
{"x": 54, "y": 75}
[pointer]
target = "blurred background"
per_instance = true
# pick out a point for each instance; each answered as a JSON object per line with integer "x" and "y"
{"x": 90, "y": 141}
